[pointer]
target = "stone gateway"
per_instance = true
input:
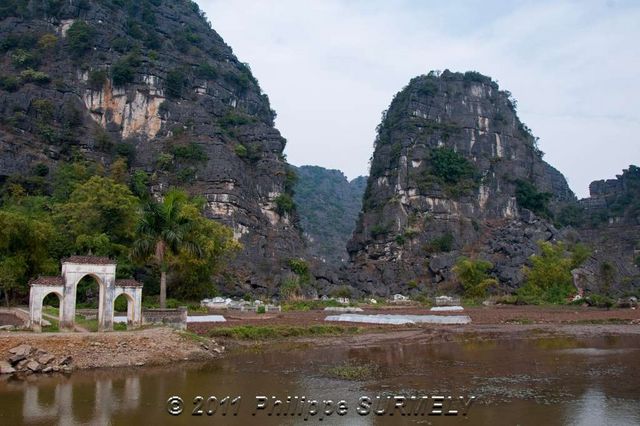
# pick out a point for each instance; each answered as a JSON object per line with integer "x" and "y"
{"x": 74, "y": 269}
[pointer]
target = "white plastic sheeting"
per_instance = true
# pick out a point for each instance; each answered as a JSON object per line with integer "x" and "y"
{"x": 401, "y": 319}
{"x": 446, "y": 308}
{"x": 198, "y": 318}
{"x": 342, "y": 309}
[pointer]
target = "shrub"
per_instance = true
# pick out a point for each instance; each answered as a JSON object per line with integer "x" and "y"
{"x": 79, "y": 36}
{"x": 192, "y": 151}
{"x": 32, "y": 76}
{"x": 290, "y": 289}
{"x": 241, "y": 150}
{"x": 187, "y": 175}
{"x": 126, "y": 150}
{"x": 121, "y": 44}
{"x": 549, "y": 278}
{"x": 233, "y": 118}
{"x": 261, "y": 309}
{"x": 284, "y": 204}
{"x": 451, "y": 166}
{"x": 164, "y": 161}
{"x": 47, "y": 41}
{"x": 44, "y": 109}
{"x": 163, "y": 109}
{"x": 124, "y": 70}
{"x": 97, "y": 79}
{"x": 207, "y": 71}
{"x": 528, "y": 197}
{"x": 428, "y": 88}
{"x": 175, "y": 83}
{"x": 299, "y": 267}
{"x": 571, "y": 216}
{"x": 23, "y": 59}
{"x": 474, "y": 277}
{"x": 476, "y": 77}
{"x": 40, "y": 169}
{"x": 342, "y": 291}
{"x": 379, "y": 229}
{"x": 441, "y": 244}
{"x": 9, "y": 83}
{"x": 599, "y": 301}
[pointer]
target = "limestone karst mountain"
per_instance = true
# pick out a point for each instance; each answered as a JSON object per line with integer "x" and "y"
{"x": 454, "y": 172}
{"x": 151, "y": 82}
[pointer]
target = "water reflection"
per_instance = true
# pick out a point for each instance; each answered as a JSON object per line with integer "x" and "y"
{"x": 517, "y": 382}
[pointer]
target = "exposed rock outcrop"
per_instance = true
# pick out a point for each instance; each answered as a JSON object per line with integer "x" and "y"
{"x": 609, "y": 222}
{"x": 454, "y": 172}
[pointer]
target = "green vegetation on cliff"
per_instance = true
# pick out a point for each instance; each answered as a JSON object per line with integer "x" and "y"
{"x": 328, "y": 205}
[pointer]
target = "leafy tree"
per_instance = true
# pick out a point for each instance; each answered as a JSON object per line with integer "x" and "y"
{"x": 451, "y": 166}
{"x": 124, "y": 70}
{"x": 549, "y": 279}
{"x": 80, "y": 36}
{"x": 100, "y": 216}
{"x": 474, "y": 277}
{"x": 25, "y": 242}
{"x": 175, "y": 83}
{"x": 528, "y": 197}
{"x": 192, "y": 272}
{"x": 284, "y": 204}
{"x": 174, "y": 231}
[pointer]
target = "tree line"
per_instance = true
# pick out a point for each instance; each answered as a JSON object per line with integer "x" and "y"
{"x": 83, "y": 208}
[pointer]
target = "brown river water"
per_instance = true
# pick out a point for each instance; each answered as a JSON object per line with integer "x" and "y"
{"x": 560, "y": 381}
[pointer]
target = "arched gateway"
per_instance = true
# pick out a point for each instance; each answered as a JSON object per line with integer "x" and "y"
{"x": 75, "y": 268}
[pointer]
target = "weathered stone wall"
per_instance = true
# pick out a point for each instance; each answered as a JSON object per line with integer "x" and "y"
{"x": 176, "y": 318}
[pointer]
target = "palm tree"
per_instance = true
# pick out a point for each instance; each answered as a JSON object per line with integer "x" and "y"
{"x": 163, "y": 230}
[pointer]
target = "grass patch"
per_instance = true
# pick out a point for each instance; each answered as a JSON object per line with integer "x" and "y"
{"x": 521, "y": 321}
{"x": 193, "y": 337}
{"x": 616, "y": 321}
{"x": 308, "y": 305}
{"x": 354, "y": 372}
{"x": 119, "y": 326}
{"x": 251, "y": 332}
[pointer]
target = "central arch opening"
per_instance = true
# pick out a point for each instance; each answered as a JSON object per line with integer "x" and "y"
{"x": 88, "y": 302}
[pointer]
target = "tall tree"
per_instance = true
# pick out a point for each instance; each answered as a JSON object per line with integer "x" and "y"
{"x": 24, "y": 251}
{"x": 165, "y": 230}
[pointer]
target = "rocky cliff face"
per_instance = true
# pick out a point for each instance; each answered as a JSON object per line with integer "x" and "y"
{"x": 454, "y": 172}
{"x": 609, "y": 222}
{"x": 149, "y": 81}
{"x": 328, "y": 205}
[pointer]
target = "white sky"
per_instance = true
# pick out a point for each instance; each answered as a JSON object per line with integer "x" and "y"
{"x": 330, "y": 67}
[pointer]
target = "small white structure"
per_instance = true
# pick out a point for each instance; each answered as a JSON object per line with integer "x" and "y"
{"x": 400, "y": 298}
{"x": 74, "y": 269}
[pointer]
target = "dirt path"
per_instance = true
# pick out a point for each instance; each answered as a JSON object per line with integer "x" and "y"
{"x": 76, "y": 327}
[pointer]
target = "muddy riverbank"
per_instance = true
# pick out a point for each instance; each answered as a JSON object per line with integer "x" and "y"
{"x": 160, "y": 346}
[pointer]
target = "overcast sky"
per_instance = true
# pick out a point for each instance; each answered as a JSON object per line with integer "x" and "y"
{"x": 331, "y": 67}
